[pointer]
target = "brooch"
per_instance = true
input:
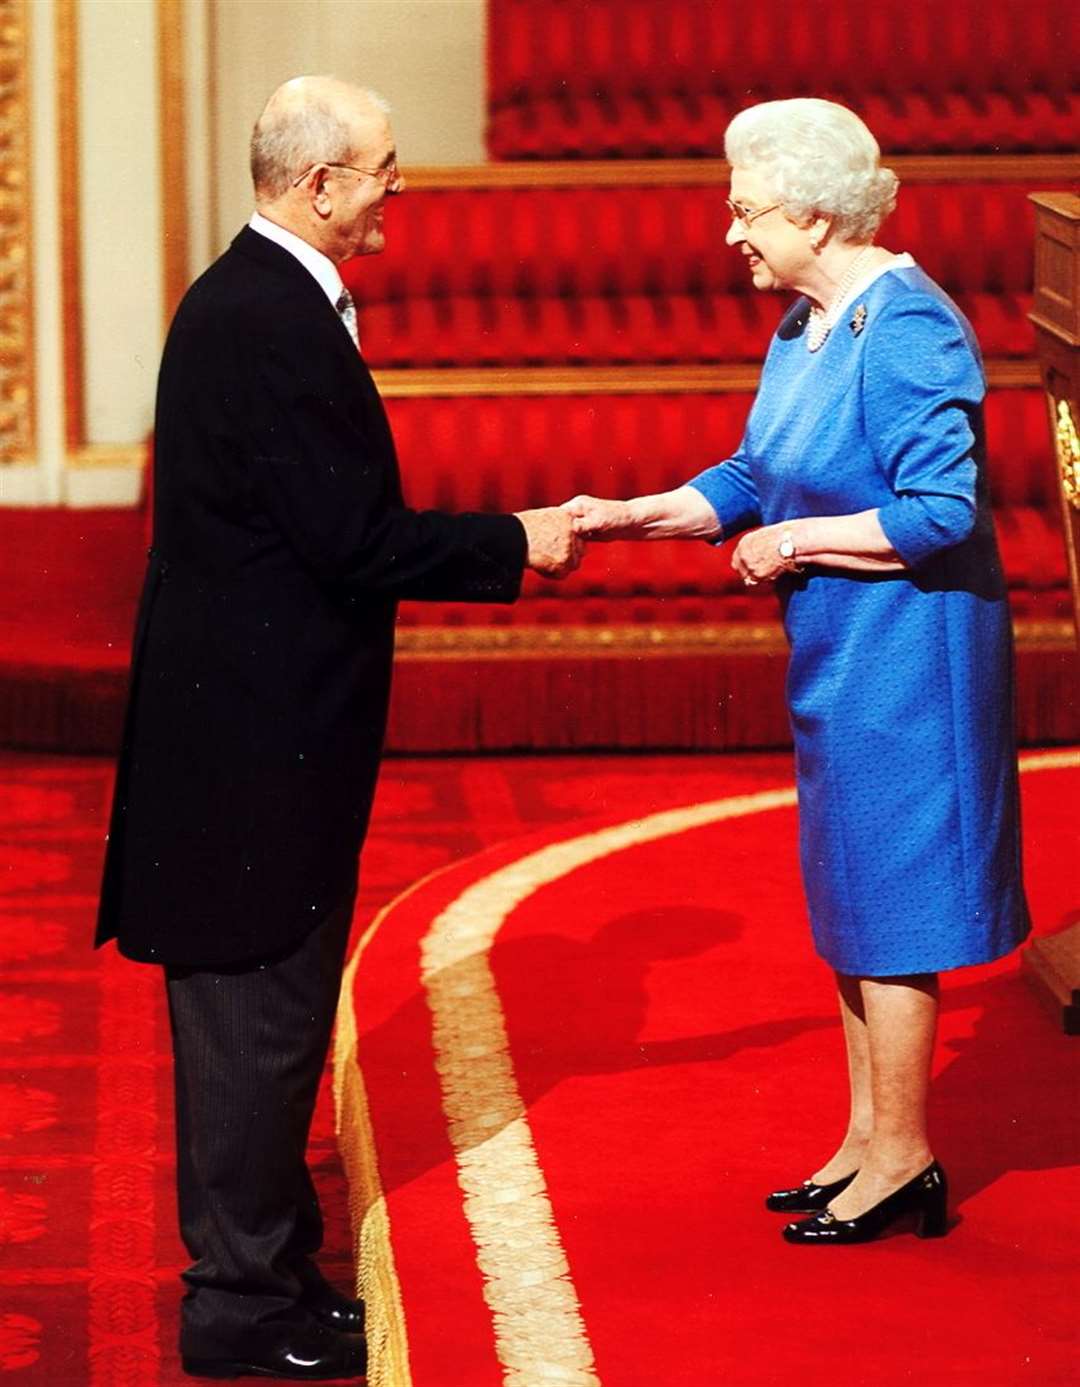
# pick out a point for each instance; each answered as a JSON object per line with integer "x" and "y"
{"x": 858, "y": 320}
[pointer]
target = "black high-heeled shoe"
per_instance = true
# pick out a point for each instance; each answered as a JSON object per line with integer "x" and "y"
{"x": 924, "y": 1198}
{"x": 807, "y": 1198}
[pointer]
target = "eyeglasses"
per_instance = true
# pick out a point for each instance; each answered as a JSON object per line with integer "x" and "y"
{"x": 748, "y": 215}
{"x": 388, "y": 175}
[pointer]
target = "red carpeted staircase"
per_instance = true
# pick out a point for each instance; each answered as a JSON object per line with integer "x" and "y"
{"x": 546, "y": 327}
{"x": 641, "y": 79}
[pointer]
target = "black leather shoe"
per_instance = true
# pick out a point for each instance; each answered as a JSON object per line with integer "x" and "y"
{"x": 311, "y": 1354}
{"x": 808, "y": 1198}
{"x": 924, "y": 1199}
{"x": 333, "y": 1309}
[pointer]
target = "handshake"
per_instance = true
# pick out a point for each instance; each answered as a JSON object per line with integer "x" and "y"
{"x": 556, "y": 534}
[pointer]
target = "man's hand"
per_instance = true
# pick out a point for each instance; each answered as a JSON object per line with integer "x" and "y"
{"x": 554, "y": 549}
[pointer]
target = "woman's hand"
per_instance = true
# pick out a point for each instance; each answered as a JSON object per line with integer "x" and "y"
{"x": 757, "y": 555}
{"x": 595, "y": 518}
{"x": 680, "y": 514}
{"x": 852, "y": 543}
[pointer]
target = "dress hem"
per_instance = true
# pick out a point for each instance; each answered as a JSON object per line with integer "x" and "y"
{"x": 896, "y": 972}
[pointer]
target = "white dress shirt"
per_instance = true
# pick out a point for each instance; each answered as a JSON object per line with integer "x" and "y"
{"x": 320, "y": 267}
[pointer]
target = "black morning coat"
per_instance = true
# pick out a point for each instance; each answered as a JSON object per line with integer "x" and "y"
{"x": 263, "y": 644}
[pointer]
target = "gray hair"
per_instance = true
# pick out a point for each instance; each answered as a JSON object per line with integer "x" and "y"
{"x": 300, "y": 125}
{"x": 818, "y": 158}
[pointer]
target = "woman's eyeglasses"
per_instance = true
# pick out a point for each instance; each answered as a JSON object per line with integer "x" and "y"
{"x": 748, "y": 215}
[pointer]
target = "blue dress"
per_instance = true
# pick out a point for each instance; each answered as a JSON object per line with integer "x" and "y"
{"x": 899, "y": 684}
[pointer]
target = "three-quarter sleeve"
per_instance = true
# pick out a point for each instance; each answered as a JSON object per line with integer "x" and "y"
{"x": 729, "y": 488}
{"x": 922, "y": 384}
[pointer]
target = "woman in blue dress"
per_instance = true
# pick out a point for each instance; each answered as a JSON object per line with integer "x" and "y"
{"x": 859, "y": 490}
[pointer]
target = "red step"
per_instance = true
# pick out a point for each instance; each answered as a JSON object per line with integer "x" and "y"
{"x": 639, "y": 78}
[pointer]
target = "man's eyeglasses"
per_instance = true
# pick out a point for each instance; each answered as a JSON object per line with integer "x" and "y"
{"x": 748, "y": 215}
{"x": 388, "y": 175}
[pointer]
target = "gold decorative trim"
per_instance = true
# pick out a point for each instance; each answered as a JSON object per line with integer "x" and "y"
{"x": 1048, "y": 760}
{"x": 406, "y": 383}
{"x": 1044, "y": 635}
{"x": 1067, "y": 444}
{"x": 682, "y": 173}
{"x": 16, "y": 275}
{"x": 68, "y": 173}
{"x": 640, "y": 641}
{"x": 522, "y": 641}
{"x": 376, "y": 1273}
{"x": 540, "y": 1335}
{"x": 1021, "y": 373}
{"x": 91, "y": 455}
{"x": 172, "y": 139}
{"x": 411, "y": 383}
{"x": 570, "y": 173}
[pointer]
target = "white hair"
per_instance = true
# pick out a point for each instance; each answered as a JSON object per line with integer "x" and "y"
{"x": 304, "y": 122}
{"x": 818, "y": 158}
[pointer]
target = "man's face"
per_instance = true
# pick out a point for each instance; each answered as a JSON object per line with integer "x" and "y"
{"x": 360, "y": 193}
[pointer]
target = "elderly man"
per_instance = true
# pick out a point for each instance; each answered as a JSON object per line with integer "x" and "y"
{"x": 258, "y": 704}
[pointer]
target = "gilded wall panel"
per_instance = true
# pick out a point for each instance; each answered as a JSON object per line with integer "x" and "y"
{"x": 16, "y": 338}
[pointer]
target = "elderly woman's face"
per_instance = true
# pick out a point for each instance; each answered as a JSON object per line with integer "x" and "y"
{"x": 777, "y": 250}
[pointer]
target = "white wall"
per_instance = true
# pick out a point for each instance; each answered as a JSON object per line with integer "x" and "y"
{"x": 120, "y": 215}
{"x": 427, "y": 57}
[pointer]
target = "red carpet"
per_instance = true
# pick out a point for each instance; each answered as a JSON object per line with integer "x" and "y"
{"x": 676, "y": 1053}
{"x": 576, "y": 1125}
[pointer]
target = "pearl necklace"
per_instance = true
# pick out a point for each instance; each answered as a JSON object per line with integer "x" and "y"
{"x": 820, "y": 324}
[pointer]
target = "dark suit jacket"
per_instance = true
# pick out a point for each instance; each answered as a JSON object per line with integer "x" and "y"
{"x": 263, "y": 644}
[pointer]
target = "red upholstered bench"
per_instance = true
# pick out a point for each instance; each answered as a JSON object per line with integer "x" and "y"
{"x": 607, "y": 275}
{"x": 645, "y": 79}
{"x": 499, "y": 454}
{"x": 658, "y": 644}
{"x": 598, "y": 276}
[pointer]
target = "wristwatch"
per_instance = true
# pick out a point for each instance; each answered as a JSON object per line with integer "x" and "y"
{"x": 786, "y": 549}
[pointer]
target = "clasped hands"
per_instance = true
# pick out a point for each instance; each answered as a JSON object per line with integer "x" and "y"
{"x": 557, "y": 534}
{"x": 554, "y": 547}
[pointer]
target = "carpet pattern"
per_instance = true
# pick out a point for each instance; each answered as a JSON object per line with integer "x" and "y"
{"x": 623, "y": 1064}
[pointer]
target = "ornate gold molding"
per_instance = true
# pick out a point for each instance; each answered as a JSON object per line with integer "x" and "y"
{"x": 1012, "y": 373}
{"x": 68, "y": 173}
{"x": 682, "y": 173}
{"x": 174, "y": 155}
{"x": 621, "y": 640}
{"x": 16, "y": 285}
{"x": 527, "y": 641}
{"x": 692, "y": 379}
{"x": 131, "y": 456}
{"x": 1067, "y": 442}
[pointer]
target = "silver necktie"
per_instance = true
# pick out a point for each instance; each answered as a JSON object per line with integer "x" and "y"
{"x": 347, "y": 313}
